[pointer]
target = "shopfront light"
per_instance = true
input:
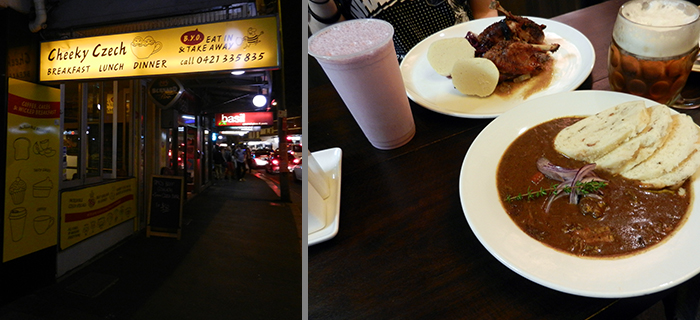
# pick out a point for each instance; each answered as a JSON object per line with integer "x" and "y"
{"x": 234, "y": 132}
{"x": 259, "y": 100}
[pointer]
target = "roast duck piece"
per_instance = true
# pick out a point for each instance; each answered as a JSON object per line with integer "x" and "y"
{"x": 515, "y": 45}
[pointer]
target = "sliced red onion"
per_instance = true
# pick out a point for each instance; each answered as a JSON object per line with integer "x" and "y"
{"x": 569, "y": 178}
{"x": 592, "y": 178}
{"x": 582, "y": 172}
{"x": 551, "y": 199}
{"x": 555, "y": 172}
{"x": 593, "y": 195}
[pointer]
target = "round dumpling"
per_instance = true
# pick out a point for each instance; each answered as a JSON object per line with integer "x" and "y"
{"x": 443, "y": 53}
{"x": 475, "y": 76}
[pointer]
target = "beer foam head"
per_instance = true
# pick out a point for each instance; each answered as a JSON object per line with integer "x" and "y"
{"x": 657, "y": 28}
{"x": 658, "y": 13}
{"x": 350, "y": 39}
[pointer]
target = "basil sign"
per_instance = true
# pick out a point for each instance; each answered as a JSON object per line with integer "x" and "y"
{"x": 165, "y": 92}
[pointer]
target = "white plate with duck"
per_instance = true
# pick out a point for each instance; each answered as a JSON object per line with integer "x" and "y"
{"x": 573, "y": 63}
{"x": 660, "y": 267}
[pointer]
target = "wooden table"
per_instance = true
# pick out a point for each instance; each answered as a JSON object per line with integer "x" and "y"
{"x": 404, "y": 249}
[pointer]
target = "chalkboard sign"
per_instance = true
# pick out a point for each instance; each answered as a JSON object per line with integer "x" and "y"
{"x": 165, "y": 206}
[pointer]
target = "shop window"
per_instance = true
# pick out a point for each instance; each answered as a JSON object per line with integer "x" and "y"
{"x": 117, "y": 130}
{"x": 72, "y": 146}
{"x": 124, "y": 133}
{"x": 98, "y": 138}
{"x": 93, "y": 131}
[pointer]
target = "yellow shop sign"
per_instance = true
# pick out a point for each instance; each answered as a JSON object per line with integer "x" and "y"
{"x": 239, "y": 44}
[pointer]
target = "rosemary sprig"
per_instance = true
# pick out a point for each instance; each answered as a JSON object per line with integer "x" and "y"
{"x": 582, "y": 188}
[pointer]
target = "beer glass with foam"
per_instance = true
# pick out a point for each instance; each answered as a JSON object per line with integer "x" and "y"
{"x": 654, "y": 45}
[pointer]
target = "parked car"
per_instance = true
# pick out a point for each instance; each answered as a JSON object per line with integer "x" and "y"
{"x": 260, "y": 158}
{"x": 298, "y": 170}
{"x": 293, "y": 149}
{"x": 273, "y": 166}
{"x": 296, "y": 151}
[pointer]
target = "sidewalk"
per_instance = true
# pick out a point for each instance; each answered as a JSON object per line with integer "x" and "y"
{"x": 239, "y": 258}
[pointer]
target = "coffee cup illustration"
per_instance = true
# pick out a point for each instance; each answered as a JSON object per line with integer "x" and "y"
{"x": 43, "y": 223}
{"x": 143, "y": 48}
{"x": 18, "y": 218}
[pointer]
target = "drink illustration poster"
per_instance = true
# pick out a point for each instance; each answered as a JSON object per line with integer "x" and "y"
{"x": 32, "y": 171}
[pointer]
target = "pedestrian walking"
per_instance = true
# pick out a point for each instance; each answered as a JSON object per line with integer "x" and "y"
{"x": 239, "y": 156}
{"x": 219, "y": 162}
{"x": 230, "y": 170}
{"x": 248, "y": 160}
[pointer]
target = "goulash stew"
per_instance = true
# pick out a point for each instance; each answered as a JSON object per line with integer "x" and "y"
{"x": 615, "y": 218}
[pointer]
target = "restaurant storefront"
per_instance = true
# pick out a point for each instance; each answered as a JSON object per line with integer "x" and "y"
{"x": 91, "y": 119}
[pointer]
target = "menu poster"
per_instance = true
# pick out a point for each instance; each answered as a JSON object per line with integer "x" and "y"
{"x": 165, "y": 206}
{"x": 89, "y": 211}
{"x": 32, "y": 172}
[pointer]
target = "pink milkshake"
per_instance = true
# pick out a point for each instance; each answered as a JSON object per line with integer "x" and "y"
{"x": 358, "y": 57}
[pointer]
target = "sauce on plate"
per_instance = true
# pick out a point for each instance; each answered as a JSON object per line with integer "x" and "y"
{"x": 524, "y": 89}
{"x": 633, "y": 219}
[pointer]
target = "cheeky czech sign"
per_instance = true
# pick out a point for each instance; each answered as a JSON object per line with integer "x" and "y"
{"x": 239, "y": 44}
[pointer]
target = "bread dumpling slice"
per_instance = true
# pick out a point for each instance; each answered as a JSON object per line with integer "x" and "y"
{"x": 615, "y": 160}
{"x": 679, "y": 145}
{"x": 640, "y": 147}
{"x": 678, "y": 175}
{"x": 475, "y": 76}
{"x": 443, "y": 53}
{"x": 597, "y": 135}
{"x": 652, "y": 139}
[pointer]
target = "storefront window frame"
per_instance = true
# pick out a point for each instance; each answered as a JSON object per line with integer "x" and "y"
{"x": 103, "y": 176}
{"x": 85, "y": 130}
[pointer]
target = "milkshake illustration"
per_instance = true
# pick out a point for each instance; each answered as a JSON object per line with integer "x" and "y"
{"x": 18, "y": 218}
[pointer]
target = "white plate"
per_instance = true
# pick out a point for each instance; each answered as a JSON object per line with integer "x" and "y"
{"x": 573, "y": 63}
{"x": 664, "y": 266}
{"x": 330, "y": 161}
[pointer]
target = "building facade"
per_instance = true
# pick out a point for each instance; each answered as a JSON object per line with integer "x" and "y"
{"x": 100, "y": 104}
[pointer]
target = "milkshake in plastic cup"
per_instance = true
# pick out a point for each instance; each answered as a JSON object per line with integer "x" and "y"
{"x": 359, "y": 58}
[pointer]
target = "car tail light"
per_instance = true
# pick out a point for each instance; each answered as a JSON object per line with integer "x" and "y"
{"x": 275, "y": 162}
{"x": 296, "y": 161}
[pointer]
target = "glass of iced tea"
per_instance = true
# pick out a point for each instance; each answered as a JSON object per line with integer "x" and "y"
{"x": 654, "y": 45}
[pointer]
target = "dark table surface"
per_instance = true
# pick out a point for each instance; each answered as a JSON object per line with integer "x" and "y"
{"x": 404, "y": 249}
